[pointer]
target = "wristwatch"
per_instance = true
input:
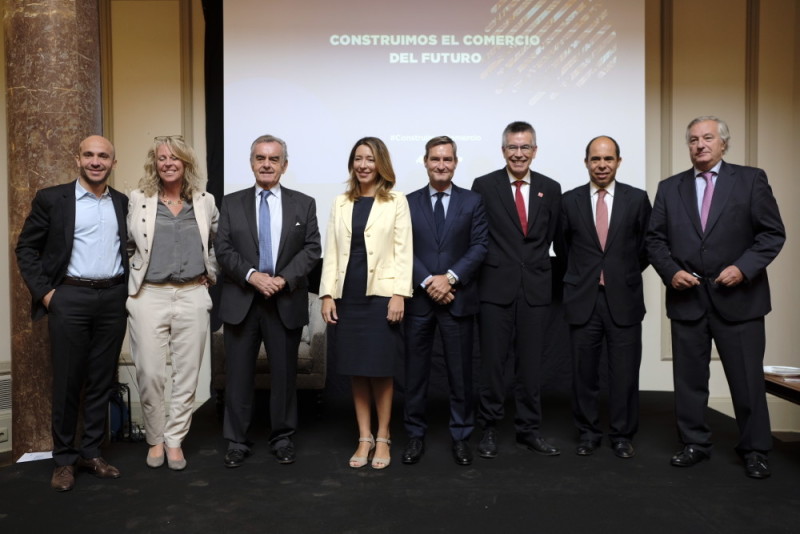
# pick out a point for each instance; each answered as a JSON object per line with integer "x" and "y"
{"x": 451, "y": 278}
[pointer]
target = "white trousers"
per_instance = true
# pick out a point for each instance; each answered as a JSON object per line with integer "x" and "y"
{"x": 168, "y": 319}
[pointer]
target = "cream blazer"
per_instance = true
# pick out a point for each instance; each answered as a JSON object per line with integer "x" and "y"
{"x": 142, "y": 224}
{"x": 388, "y": 240}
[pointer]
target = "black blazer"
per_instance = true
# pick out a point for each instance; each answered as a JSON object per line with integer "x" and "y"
{"x": 744, "y": 229}
{"x": 622, "y": 262}
{"x": 462, "y": 248}
{"x": 45, "y": 242}
{"x": 236, "y": 247}
{"x": 514, "y": 260}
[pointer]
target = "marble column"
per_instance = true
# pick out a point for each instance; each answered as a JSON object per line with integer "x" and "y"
{"x": 54, "y": 101}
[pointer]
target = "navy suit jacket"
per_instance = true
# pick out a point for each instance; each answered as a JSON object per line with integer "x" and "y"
{"x": 514, "y": 259}
{"x": 744, "y": 229}
{"x": 622, "y": 261}
{"x": 44, "y": 248}
{"x": 236, "y": 246}
{"x": 461, "y": 249}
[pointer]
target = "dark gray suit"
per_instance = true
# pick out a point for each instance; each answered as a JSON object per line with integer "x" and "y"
{"x": 515, "y": 290}
{"x": 612, "y": 313}
{"x": 744, "y": 229}
{"x": 251, "y": 319}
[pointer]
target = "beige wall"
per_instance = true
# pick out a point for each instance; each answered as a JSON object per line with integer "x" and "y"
{"x": 697, "y": 68}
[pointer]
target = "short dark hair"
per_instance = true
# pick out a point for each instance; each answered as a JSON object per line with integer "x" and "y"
{"x": 519, "y": 127}
{"x": 616, "y": 145}
{"x": 440, "y": 140}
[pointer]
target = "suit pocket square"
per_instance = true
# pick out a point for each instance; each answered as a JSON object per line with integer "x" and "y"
{"x": 297, "y": 224}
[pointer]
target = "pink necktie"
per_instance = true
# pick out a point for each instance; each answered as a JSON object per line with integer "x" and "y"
{"x": 709, "y": 192}
{"x": 601, "y": 222}
{"x": 520, "y": 202}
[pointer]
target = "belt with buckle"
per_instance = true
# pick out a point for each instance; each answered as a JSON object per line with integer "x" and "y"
{"x": 101, "y": 283}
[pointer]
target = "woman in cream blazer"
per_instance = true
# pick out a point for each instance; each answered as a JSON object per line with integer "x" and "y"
{"x": 366, "y": 275}
{"x": 172, "y": 222}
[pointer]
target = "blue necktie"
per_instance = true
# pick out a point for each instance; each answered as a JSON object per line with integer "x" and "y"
{"x": 264, "y": 236}
{"x": 438, "y": 215}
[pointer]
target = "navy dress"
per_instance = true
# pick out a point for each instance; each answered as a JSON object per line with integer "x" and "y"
{"x": 366, "y": 344}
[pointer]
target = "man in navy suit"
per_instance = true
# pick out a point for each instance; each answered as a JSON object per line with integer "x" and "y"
{"x": 71, "y": 254}
{"x": 603, "y": 226}
{"x": 267, "y": 244}
{"x": 450, "y": 239}
{"x": 713, "y": 231}
{"x": 516, "y": 287}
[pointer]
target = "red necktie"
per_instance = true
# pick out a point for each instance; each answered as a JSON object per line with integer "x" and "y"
{"x": 520, "y": 202}
{"x": 601, "y": 222}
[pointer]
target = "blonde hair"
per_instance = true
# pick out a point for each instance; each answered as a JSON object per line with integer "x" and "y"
{"x": 193, "y": 180}
{"x": 384, "y": 180}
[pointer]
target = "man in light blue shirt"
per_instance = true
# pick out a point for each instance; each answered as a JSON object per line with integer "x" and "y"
{"x": 71, "y": 254}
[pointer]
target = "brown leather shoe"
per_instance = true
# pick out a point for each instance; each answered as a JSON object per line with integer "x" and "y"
{"x": 63, "y": 478}
{"x": 98, "y": 467}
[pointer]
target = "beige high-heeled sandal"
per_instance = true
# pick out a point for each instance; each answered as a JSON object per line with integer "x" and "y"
{"x": 360, "y": 461}
{"x": 382, "y": 463}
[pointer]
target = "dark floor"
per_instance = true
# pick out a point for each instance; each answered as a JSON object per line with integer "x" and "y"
{"x": 517, "y": 492}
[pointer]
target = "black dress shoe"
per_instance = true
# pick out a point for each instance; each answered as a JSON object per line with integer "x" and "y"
{"x": 538, "y": 445}
{"x": 756, "y": 466}
{"x": 285, "y": 453}
{"x": 462, "y": 453}
{"x": 413, "y": 451}
{"x": 623, "y": 449}
{"x": 586, "y": 447}
{"x": 487, "y": 447}
{"x": 689, "y": 456}
{"x": 235, "y": 457}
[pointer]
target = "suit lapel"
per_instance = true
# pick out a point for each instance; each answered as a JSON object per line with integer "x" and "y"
{"x": 456, "y": 201}
{"x": 375, "y": 214}
{"x": 617, "y": 212}
{"x": 69, "y": 219}
{"x": 288, "y": 219}
{"x": 248, "y": 207}
{"x": 688, "y": 194}
{"x": 506, "y": 197}
{"x": 424, "y": 207}
{"x": 535, "y": 196}
{"x": 583, "y": 206}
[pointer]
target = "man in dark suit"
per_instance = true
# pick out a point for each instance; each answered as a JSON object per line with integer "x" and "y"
{"x": 71, "y": 254}
{"x": 713, "y": 231}
{"x": 450, "y": 239}
{"x": 603, "y": 226}
{"x": 515, "y": 287}
{"x": 267, "y": 243}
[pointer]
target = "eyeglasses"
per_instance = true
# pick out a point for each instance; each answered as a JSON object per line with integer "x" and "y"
{"x": 524, "y": 148}
{"x": 159, "y": 138}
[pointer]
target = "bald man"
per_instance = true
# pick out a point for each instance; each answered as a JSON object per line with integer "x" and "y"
{"x": 603, "y": 224}
{"x": 71, "y": 254}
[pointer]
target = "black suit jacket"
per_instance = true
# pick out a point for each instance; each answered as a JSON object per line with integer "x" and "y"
{"x": 744, "y": 229}
{"x": 514, "y": 260}
{"x": 236, "y": 246}
{"x": 45, "y": 242}
{"x": 461, "y": 249}
{"x": 622, "y": 261}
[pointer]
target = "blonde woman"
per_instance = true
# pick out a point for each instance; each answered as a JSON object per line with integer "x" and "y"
{"x": 172, "y": 221}
{"x": 366, "y": 276}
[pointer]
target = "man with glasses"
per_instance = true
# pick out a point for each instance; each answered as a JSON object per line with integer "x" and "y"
{"x": 515, "y": 288}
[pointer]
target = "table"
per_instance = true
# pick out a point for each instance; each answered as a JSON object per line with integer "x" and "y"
{"x": 780, "y": 387}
